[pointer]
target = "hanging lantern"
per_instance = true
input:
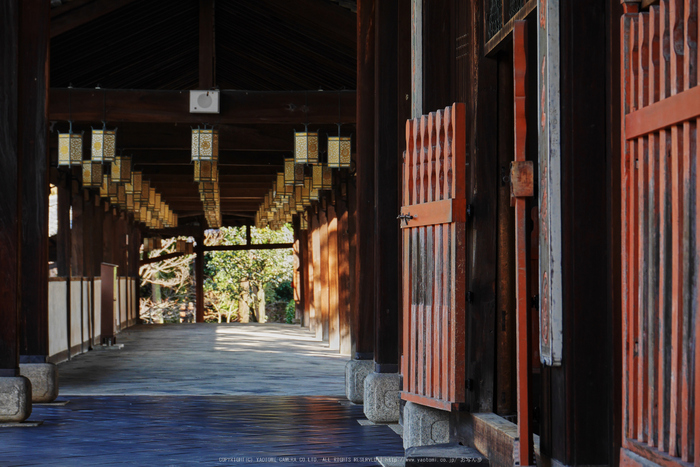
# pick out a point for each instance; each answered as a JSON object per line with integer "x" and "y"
{"x": 205, "y": 144}
{"x": 317, "y": 176}
{"x": 303, "y": 223}
{"x": 151, "y": 199}
{"x": 121, "y": 196}
{"x": 113, "y": 193}
{"x": 339, "y": 152}
{"x": 92, "y": 174}
{"x": 134, "y": 185}
{"x": 130, "y": 202}
{"x": 144, "y": 213}
{"x": 306, "y": 192}
{"x": 104, "y": 144}
{"x": 327, "y": 178}
{"x": 104, "y": 188}
{"x": 156, "y": 205}
{"x": 289, "y": 171}
{"x": 298, "y": 198}
{"x": 305, "y": 147}
{"x": 145, "y": 192}
{"x": 206, "y": 171}
{"x": 208, "y": 187}
{"x": 121, "y": 169}
{"x": 70, "y": 148}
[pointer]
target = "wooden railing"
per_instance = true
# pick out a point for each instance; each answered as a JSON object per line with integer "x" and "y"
{"x": 433, "y": 216}
{"x": 661, "y": 108}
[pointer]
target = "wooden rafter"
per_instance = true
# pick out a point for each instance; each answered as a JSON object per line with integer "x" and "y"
{"x": 70, "y": 15}
{"x": 237, "y": 107}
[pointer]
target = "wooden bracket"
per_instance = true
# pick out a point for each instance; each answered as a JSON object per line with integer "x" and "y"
{"x": 522, "y": 182}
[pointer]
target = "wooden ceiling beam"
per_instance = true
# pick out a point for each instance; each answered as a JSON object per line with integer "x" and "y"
{"x": 237, "y": 107}
{"x": 76, "y": 13}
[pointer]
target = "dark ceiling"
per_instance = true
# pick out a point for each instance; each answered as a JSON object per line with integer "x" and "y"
{"x": 260, "y": 45}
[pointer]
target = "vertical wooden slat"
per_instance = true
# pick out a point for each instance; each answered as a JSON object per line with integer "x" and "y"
{"x": 676, "y": 23}
{"x": 689, "y": 186}
{"x": 521, "y": 286}
{"x": 642, "y": 261}
{"x": 406, "y": 263}
{"x": 664, "y": 237}
{"x": 333, "y": 285}
{"x": 632, "y": 242}
{"x": 652, "y": 232}
{"x": 625, "y": 31}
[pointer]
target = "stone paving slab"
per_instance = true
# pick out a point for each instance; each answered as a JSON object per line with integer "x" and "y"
{"x": 208, "y": 359}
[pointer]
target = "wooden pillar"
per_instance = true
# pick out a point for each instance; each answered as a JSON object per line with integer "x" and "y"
{"x": 34, "y": 155}
{"x": 63, "y": 235}
{"x": 77, "y": 235}
{"x": 580, "y": 435}
{"x": 304, "y": 274}
{"x": 345, "y": 276}
{"x": 333, "y": 284}
{"x": 318, "y": 289}
{"x": 199, "y": 279}
{"x": 325, "y": 276}
{"x": 386, "y": 189}
{"x": 298, "y": 275}
{"x": 10, "y": 226}
{"x": 309, "y": 291}
{"x": 88, "y": 262}
{"x": 363, "y": 323}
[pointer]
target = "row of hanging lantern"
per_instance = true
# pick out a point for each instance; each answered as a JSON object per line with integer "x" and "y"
{"x": 205, "y": 156}
{"x": 132, "y": 193}
{"x": 119, "y": 184}
{"x": 291, "y": 195}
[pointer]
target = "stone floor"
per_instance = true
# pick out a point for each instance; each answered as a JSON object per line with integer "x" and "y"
{"x": 202, "y": 395}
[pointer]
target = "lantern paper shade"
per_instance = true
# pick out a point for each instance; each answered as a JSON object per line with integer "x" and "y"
{"x": 289, "y": 171}
{"x": 103, "y": 145}
{"x": 206, "y": 171}
{"x": 326, "y": 177}
{"x": 92, "y": 174}
{"x": 70, "y": 149}
{"x": 121, "y": 169}
{"x": 135, "y": 186}
{"x": 205, "y": 144}
{"x": 317, "y": 177}
{"x": 339, "y": 152}
{"x": 306, "y": 147}
{"x": 104, "y": 188}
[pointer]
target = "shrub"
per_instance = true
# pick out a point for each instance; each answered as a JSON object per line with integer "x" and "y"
{"x": 291, "y": 312}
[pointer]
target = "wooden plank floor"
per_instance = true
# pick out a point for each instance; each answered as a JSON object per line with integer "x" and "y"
{"x": 124, "y": 414}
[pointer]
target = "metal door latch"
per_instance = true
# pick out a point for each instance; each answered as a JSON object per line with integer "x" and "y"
{"x": 405, "y": 217}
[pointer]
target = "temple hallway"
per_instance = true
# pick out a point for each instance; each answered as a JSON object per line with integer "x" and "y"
{"x": 208, "y": 359}
{"x": 203, "y": 394}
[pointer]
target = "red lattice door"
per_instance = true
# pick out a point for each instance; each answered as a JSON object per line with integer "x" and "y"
{"x": 433, "y": 216}
{"x": 661, "y": 111}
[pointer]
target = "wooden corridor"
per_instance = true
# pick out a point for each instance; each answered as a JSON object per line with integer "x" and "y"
{"x": 243, "y": 395}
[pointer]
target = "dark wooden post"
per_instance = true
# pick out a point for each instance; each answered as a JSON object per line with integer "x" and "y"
{"x": 298, "y": 277}
{"x": 88, "y": 261}
{"x": 199, "y": 279}
{"x": 345, "y": 276}
{"x": 333, "y": 285}
{"x": 63, "y": 241}
{"x": 34, "y": 155}
{"x": 325, "y": 277}
{"x": 76, "y": 259}
{"x": 386, "y": 189}
{"x": 310, "y": 310}
{"x": 363, "y": 323}
{"x": 318, "y": 290}
{"x": 10, "y": 226}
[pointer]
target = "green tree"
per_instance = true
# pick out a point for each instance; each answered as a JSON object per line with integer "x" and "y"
{"x": 241, "y": 276}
